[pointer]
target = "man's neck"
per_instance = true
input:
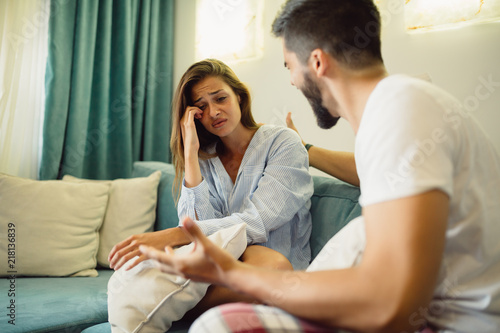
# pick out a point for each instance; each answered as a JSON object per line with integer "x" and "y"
{"x": 353, "y": 91}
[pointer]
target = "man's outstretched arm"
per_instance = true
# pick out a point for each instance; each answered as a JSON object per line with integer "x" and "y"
{"x": 386, "y": 292}
{"x": 339, "y": 164}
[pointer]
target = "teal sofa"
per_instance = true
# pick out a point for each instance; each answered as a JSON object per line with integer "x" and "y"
{"x": 79, "y": 304}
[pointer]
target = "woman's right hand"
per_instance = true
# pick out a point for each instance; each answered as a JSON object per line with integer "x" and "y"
{"x": 188, "y": 130}
{"x": 192, "y": 173}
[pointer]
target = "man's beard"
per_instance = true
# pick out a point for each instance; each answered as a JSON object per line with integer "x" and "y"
{"x": 311, "y": 91}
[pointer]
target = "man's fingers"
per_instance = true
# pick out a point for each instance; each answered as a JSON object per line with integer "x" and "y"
{"x": 289, "y": 121}
{"x": 291, "y": 125}
{"x": 193, "y": 231}
{"x": 165, "y": 268}
{"x": 161, "y": 259}
{"x": 152, "y": 253}
{"x": 149, "y": 252}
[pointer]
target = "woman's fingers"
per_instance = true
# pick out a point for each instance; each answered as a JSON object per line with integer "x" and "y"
{"x": 123, "y": 252}
{"x": 125, "y": 258}
{"x": 198, "y": 114}
{"x": 191, "y": 114}
{"x": 117, "y": 251}
{"x": 137, "y": 261}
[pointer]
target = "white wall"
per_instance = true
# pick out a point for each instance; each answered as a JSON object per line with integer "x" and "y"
{"x": 459, "y": 60}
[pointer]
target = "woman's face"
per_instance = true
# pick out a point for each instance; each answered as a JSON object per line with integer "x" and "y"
{"x": 220, "y": 106}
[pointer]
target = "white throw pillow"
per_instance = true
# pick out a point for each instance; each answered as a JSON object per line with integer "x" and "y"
{"x": 345, "y": 249}
{"x": 49, "y": 228}
{"x": 131, "y": 210}
{"x": 145, "y": 299}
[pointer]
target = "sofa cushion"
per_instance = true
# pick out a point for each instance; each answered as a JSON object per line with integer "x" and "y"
{"x": 55, "y": 304}
{"x": 333, "y": 204}
{"x": 49, "y": 228}
{"x": 166, "y": 213}
{"x": 131, "y": 210}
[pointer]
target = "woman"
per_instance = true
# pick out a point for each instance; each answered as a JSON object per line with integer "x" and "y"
{"x": 230, "y": 170}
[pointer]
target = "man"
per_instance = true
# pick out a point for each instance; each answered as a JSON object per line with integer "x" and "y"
{"x": 430, "y": 192}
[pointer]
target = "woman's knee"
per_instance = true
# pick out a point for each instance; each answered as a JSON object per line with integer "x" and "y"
{"x": 262, "y": 256}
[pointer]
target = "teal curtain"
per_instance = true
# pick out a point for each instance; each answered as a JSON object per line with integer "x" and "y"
{"x": 108, "y": 87}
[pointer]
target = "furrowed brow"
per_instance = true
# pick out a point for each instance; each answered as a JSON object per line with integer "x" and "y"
{"x": 210, "y": 93}
{"x": 215, "y": 92}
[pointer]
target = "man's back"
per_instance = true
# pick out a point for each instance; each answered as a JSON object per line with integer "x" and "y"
{"x": 413, "y": 138}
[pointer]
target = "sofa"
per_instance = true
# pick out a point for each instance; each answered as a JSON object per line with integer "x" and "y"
{"x": 79, "y": 304}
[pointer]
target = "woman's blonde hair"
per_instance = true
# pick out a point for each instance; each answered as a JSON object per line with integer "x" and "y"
{"x": 182, "y": 99}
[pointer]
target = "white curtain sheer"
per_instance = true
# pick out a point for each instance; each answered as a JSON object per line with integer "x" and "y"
{"x": 23, "y": 53}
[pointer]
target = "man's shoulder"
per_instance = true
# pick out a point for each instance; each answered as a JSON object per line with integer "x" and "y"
{"x": 401, "y": 98}
{"x": 403, "y": 110}
{"x": 404, "y": 88}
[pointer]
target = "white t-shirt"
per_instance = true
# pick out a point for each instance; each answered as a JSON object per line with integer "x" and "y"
{"x": 414, "y": 137}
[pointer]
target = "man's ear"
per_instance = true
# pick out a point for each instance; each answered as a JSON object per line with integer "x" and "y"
{"x": 319, "y": 62}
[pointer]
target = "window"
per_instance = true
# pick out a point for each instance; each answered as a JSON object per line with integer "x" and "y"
{"x": 23, "y": 54}
{"x": 229, "y": 30}
{"x": 425, "y": 15}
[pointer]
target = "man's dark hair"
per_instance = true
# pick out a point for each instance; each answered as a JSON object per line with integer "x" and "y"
{"x": 349, "y": 30}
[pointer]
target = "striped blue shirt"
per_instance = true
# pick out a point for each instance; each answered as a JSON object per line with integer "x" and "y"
{"x": 272, "y": 195}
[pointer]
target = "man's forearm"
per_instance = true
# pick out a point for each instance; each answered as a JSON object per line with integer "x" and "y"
{"x": 339, "y": 164}
{"x": 344, "y": 303}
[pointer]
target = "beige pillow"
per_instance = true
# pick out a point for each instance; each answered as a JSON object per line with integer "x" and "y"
{"x": 131, "y": 210}
{"x": 145, "y": 299}
{"x": 49, "y": 228}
